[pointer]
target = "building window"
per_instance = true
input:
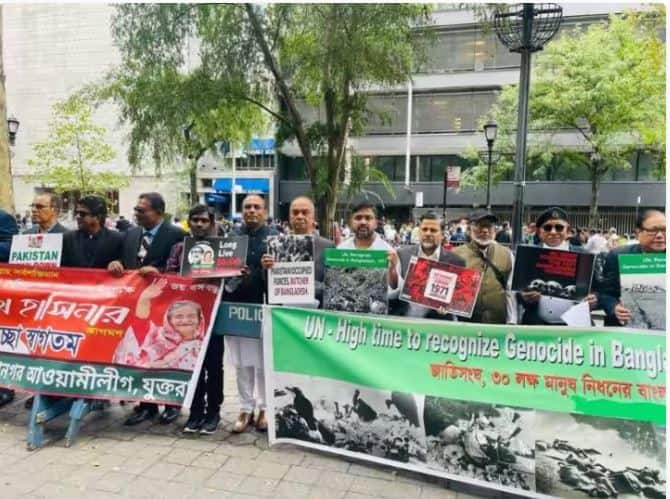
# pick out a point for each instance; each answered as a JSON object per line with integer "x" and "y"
{"x": 292, "y": 168}
{"x": 452, "y": 112}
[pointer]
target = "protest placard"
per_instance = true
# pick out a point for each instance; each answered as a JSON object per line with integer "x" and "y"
{"x": 563, "y": 412}
{"x": 440, "y": 285}
{"x": 356, "y": 280}
{"x": 214, "y": 256}
{"x": 37, "y": 249}
{"x": 291, "y": 279}
{"x": 643, "y": 289}
{"x": 85, "y": 333}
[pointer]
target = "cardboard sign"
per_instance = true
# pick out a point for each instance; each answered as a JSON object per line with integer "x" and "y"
{"x": 37, "y": 249}
{"x": 214, "y": 256}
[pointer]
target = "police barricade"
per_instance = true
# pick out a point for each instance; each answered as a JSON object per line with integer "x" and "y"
{"x": 533, "y": 411}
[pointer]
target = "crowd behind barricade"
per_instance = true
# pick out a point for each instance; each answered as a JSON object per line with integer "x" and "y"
{"x": 153, "y": 245}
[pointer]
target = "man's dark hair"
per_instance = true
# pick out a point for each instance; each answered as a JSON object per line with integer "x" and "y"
{"x": 431, "y": 215}
{"x": 644, "y": 214}
{"x": 200, "y": 209}
{"x": 155, "y": 200}
{"x": 365, "y": 205}
{"x": 96, "y": 205}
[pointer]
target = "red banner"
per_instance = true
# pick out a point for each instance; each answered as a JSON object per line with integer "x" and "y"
{"x": 149, "y": 329}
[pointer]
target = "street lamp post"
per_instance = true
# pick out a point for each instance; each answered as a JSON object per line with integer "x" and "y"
{"x": 490, "y": 132}
{"x": 524, "y": 28}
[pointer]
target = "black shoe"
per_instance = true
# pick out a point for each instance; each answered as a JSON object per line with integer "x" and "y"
{"x": 6, "y": 396}
{"x": 28, "y": 404}
{"x": 169, "y": 415}
{"x": 193, "y": 424}
{"x": 211, "y": 424}
{"x": 140, "y": 415}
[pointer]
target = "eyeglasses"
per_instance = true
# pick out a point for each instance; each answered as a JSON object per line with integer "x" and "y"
{"x": 139, "y": 210}
{"x": 654, "y": 230}
{"x": 202, "y": 220}
{"x": 35, "y": 206}
{"x": 558, "y": 227}
{"x": 82, "y": 213}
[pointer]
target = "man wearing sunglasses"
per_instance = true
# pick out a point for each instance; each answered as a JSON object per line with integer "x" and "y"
{"x": 44, "y": 212}
{"x": 147, "y": 248}
{"x": 651, "y": 232}
{"x": 92, "y": 245}
{"x": 553, "y": 228}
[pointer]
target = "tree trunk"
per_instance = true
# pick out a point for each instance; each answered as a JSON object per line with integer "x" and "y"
{"x": 595, "y": 191}
{"x": 193, "y": 182}
{"x": 6, "y": 191}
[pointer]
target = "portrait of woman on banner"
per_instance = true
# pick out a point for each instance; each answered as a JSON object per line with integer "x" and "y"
{"x": 174, "y": 344}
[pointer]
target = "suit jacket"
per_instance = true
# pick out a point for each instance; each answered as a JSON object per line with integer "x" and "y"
{"x": 56, "y": 229}
{"x": 320, "y": 244}
{"x": 405, "y": 253}
{"x": 159, "y": 251}
{"x": 608, "y": 285}
{"x": 109, "y": 247}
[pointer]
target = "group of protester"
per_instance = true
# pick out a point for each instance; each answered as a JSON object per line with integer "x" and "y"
{"x": 154, "y": 246}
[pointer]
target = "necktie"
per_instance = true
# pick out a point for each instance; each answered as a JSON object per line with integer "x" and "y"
{"x": 147, "y": 237}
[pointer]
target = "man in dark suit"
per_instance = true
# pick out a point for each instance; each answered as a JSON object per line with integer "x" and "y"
{"x": 431, "y": 236}
{"x": 147, "y": 248}
{"x": 651, "y": 232}
{"x": 44, "y": 213}
{"x": 92, "y": 245}
{"x": 302, "y": 222}
{"x": 8, "y": 229}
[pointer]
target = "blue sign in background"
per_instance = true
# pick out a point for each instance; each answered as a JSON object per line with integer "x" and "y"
{"x": 239, "y": 319}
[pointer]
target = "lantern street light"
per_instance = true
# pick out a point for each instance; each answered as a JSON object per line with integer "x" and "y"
{"x": 12, "y": 127}
{"x": 490, "y": 133}
{"x": 524, "y": 28}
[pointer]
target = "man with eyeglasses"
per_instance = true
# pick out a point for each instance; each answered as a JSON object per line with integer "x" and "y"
{"x": 496, "y": 303}
{"x": 44, "y": 213}
{"x": 147, "y": 248}
{"x": 553, "y": 228}
{"x": 651, "y": 233}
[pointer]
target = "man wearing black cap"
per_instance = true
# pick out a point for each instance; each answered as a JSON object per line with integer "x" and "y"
{"x": 496, "y": 303}
{"x": 553, "y": 228}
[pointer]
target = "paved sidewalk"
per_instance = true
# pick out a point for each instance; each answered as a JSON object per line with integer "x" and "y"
{"x": 112, "y": 461}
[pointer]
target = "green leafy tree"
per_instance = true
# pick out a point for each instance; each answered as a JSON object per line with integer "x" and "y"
{"x": 278, "y": 56}
{"x": 67, "y": 160}
{"x": 607, "y": 85}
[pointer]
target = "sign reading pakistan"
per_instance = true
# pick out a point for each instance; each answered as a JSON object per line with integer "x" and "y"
{"x": 550, "y": 411}
{"x": 36, "y": 249}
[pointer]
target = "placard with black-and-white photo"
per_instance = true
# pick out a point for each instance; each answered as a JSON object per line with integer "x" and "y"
{"x": 291, "y": 278}
{"x": 214, "y": 256}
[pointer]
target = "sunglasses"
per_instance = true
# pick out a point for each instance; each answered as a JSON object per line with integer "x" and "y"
{"x": 202, "y": 220}
{"x": 558, "y": 227}
{"x": 82, "y": 213}
{"x": 139, "y": 210}
{"x": 39, "y": 206}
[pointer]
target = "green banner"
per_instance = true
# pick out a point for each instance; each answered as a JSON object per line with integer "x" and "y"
{"x": 642, "y": 263}
{"x": 355, "y": 258}
{"x": 598, "y": 372}
{"x": 71, "y": 378}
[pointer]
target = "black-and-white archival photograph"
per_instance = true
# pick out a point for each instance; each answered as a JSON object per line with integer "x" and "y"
{"x": 383, "y": 424}
{"x": 291, "y": 248}
{"x": 481, "y": 441}
{"x": 362, "y": 290}
{"x": 646, "y": 301}
{"x": 584, "y": 456}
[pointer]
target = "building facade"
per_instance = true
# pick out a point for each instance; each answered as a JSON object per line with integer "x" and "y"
{"x": 439, "y": 116}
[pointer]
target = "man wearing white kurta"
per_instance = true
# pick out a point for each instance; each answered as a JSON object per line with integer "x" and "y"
{"x": 363, "y": 224}
{"x": 246, "y": 354}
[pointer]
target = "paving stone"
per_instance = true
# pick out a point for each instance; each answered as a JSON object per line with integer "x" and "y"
{"x": 384, "y": 488}
{"x": 257, "y": 486}
{"x": 270, "y": 470}
{"x": 325, "y": 493}
{"x": 336, "y": 480}
{"x": 224, "y": 480}
{"x": 325, "y": 463}
{"x": 292, "y": 490}
{"x": 302, "y": 474}
{"x": 437, "y": 493}
{"x": 291, "y": 458}
{"x": 240, "y": 466}
{"x": 212, "y": 460}
{"x": 164, "y": 471}
{"x": 181, "y": 456}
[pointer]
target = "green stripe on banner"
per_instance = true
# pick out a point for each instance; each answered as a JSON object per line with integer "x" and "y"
{"x": 355, "y": 258}
{"x": 598, "y": 371}
{"x": 642, "y": 263}
{"x": 81, "y": 380}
